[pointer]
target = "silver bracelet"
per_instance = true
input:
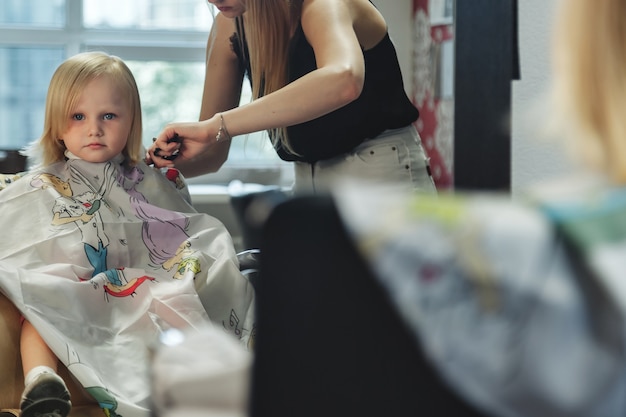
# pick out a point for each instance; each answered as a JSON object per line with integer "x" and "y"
{"x": 222, "y": 131}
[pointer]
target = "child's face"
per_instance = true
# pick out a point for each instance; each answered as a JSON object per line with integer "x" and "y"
{"x": 99, "y": 126}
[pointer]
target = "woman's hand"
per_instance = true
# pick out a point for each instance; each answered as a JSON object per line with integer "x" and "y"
{"x": 180, "y": 142}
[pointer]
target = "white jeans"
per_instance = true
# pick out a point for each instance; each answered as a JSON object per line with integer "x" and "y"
{"x": 395, "y": 156}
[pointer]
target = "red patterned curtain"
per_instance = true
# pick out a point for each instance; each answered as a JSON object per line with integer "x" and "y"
{"x": 433, "y": 78}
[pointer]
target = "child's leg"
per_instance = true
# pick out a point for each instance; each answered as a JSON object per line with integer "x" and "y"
{"x": 45, "y": 393}
{"x": 35, "y": 352}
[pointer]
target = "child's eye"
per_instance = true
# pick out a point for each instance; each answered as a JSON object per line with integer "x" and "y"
{"x": 78, "y": 116}
{"x": 109, "y": 116}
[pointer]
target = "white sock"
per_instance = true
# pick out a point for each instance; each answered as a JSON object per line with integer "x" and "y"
{"x": 36, "y": 371}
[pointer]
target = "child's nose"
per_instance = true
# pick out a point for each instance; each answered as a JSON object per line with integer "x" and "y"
{"x": 95, "y": 129}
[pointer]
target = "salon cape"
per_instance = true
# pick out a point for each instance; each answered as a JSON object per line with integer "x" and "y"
{"x": 102, "y": 258}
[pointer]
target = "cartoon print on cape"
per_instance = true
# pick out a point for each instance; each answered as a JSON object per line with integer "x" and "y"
{"x": 128, "y": 233}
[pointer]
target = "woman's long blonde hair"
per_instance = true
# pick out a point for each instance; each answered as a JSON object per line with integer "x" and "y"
{"x": 268, "y": 26}
{"x": 590, "y": 81}
{"x": 66, "y": 86}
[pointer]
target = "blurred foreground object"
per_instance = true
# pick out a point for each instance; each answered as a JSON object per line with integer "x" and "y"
{"x": 204, "y": 374}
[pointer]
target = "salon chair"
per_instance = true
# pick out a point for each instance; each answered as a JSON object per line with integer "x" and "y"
{"x": 329, "y": 342}
{"x": 251, "y": 210}
{"x": 11, "y": 160}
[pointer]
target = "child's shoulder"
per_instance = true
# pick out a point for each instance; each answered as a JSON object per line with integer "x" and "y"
{"x": 26, "y": 179}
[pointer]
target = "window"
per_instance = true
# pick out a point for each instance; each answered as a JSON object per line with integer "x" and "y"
{"x": 163, "y": 43}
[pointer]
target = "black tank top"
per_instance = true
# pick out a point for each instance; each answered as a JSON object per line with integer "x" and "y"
{"x": 383, "y": 103}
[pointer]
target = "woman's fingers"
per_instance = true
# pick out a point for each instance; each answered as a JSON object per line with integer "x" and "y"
{"x": 164, "y": 150}
{"x": 166, "y": 145}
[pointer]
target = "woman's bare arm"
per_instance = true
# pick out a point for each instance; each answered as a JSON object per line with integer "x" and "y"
{"x": 222, "y": 90}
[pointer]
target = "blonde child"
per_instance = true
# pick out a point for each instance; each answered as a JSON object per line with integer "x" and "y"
{"x": 111, "y": 251}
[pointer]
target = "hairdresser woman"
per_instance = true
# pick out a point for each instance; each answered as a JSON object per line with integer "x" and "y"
{"x": 326, "y": 85}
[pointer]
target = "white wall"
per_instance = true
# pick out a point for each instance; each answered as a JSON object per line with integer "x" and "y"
{"x": 534, "y": 158}
{"x": 399, "y": 17}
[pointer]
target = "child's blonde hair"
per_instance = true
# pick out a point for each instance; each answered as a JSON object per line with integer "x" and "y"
{"x": 590, "y": 81}
{"x": 66, "y": 86}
